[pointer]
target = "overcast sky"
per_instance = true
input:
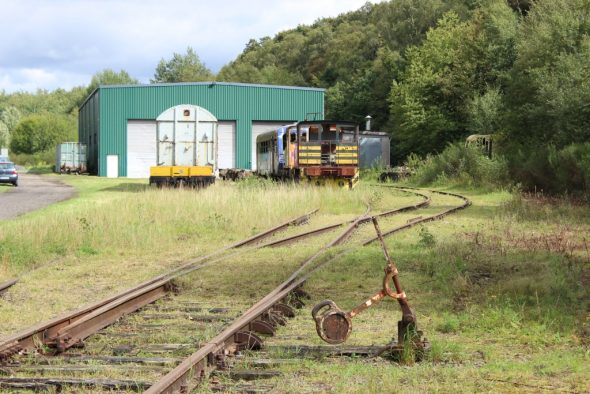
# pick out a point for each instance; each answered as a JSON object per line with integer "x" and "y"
{"x": 51, "y": 44}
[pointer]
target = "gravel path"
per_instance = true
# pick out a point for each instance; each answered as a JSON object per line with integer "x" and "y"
{"x": 33, "y": 192}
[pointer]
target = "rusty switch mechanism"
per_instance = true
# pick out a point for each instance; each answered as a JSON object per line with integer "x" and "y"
{"x": 335, "y": 325}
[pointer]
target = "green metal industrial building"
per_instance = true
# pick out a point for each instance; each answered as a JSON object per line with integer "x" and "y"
{"x": 118, "y": 122}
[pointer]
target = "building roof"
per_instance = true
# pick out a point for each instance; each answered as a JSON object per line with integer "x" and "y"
{"x": 211, "y": 84}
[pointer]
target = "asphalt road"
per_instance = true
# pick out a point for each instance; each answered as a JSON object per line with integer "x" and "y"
{"x": 33, "y": 192}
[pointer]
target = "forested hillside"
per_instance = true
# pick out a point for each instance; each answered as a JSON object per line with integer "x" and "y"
{"x": 430, "y": 73}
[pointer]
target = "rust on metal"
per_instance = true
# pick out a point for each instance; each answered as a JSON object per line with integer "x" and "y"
{"x": 184, "y": 372}
{"x": 334, "y": 326}
{"x": 274, "y": 319}
{"x": 292, "y": 222}
{"x": 261, "y": 327}
{"x": 466, "y": 203}
{"x": 6, "y": 285}
{"x": 283, "y": 309}
{"x": 62, "y": 333}
{"x": 298, "y": 237}
{"x": 247, "y": 340}
{"x": 98, "y": 319}
{"x": 243, "y": 333}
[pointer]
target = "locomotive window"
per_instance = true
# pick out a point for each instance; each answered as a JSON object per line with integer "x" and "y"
{"x": 314, "y": 133}
{"x": 263, "y": 147}
{"x": 330, "y": 135}
{"x": 347, "y": 137}
{"x": 303, "y": 136}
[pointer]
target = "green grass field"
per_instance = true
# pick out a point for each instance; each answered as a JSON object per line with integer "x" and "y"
{"x": 500, "y": 289}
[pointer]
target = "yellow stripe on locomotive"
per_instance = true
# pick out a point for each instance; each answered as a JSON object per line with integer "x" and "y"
{"x": 321, "y": 152}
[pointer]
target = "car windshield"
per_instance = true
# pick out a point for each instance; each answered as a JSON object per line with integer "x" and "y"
{"x": 6, "y": 166}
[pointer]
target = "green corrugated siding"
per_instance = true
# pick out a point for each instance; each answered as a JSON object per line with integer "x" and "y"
{"x": 88, "y": 128}
{"x": 243, "y": 103}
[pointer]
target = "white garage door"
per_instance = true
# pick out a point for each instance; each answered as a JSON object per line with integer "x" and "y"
{"x": 141, "y": 148}
{"x": 262, "y": 127}
{"x": 226, "y": 149}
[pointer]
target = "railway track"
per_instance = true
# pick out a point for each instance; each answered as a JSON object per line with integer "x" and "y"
{"x": 69, "y": 329}
{"x": 135, "y": 352}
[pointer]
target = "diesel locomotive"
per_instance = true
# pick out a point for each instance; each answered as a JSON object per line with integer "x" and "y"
{"x": 322, "y": 152}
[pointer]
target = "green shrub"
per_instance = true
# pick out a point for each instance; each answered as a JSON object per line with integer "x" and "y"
{"x": 371, "y": 174}
{"x": 39, "y": 159}
{"x": 42, "y": 132}
{"x": 552, "y": 170}
{"x": 460, "y": 165}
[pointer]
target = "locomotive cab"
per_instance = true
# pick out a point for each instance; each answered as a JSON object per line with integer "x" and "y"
{"x": 328, "y": 152}
{"x": 321, "y": 152}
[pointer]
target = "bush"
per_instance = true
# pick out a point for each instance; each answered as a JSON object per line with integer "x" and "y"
{"x": 40, "y": 159}
{"x": 371, "y": 174}
{"x": 42, "y": 132}
{"x": 552, "y": 170}
{"x": 461, "y": 165}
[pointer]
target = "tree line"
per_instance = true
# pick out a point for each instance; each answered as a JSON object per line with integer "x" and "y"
{"x": 432, "y": 72}
{"x": 429, "y": 72}
{"x": 32, "y": 124}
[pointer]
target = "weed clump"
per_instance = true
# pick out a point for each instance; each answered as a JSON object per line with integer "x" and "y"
{"x": 449, "y": 324}
{"x": 427, "y": 239}
{"x": 459, "y": 165}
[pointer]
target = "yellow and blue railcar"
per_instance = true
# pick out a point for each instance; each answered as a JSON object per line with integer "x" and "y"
{"x": 321, "y": 152}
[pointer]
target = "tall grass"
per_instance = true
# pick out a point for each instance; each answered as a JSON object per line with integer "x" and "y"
{"x": 149, "y": 222}
{"x": 528, "y": 261}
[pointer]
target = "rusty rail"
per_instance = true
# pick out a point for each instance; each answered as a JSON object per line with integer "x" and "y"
{"x": 298, "y": 237}
{"x": 68, "y": 329}
{"x": 6, "y": 285}
{"x": 416, "y": 221}
{"x": 293, "y": 222}
{"x": 196, "y": 364}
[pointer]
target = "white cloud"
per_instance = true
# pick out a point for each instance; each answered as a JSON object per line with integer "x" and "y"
{"x": 32, "y": 79}
{"x": 62, "y": 43}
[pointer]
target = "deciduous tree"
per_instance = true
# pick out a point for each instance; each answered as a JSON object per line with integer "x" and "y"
{"x": 182, "y": 68}
{"x": 42, "y": 132}
{"x": 111, "y": 77}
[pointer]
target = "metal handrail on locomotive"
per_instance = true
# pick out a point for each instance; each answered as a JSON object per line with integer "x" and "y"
{"x": 323, "y": 152}
{"x": 186, "y": 147}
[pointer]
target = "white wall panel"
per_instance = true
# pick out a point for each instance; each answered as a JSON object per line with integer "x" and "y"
{"x": 141, "y": 148}
{"x": 226, "y": 141}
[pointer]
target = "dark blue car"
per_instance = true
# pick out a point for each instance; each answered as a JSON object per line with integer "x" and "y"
{"x": 8, "y": 173}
